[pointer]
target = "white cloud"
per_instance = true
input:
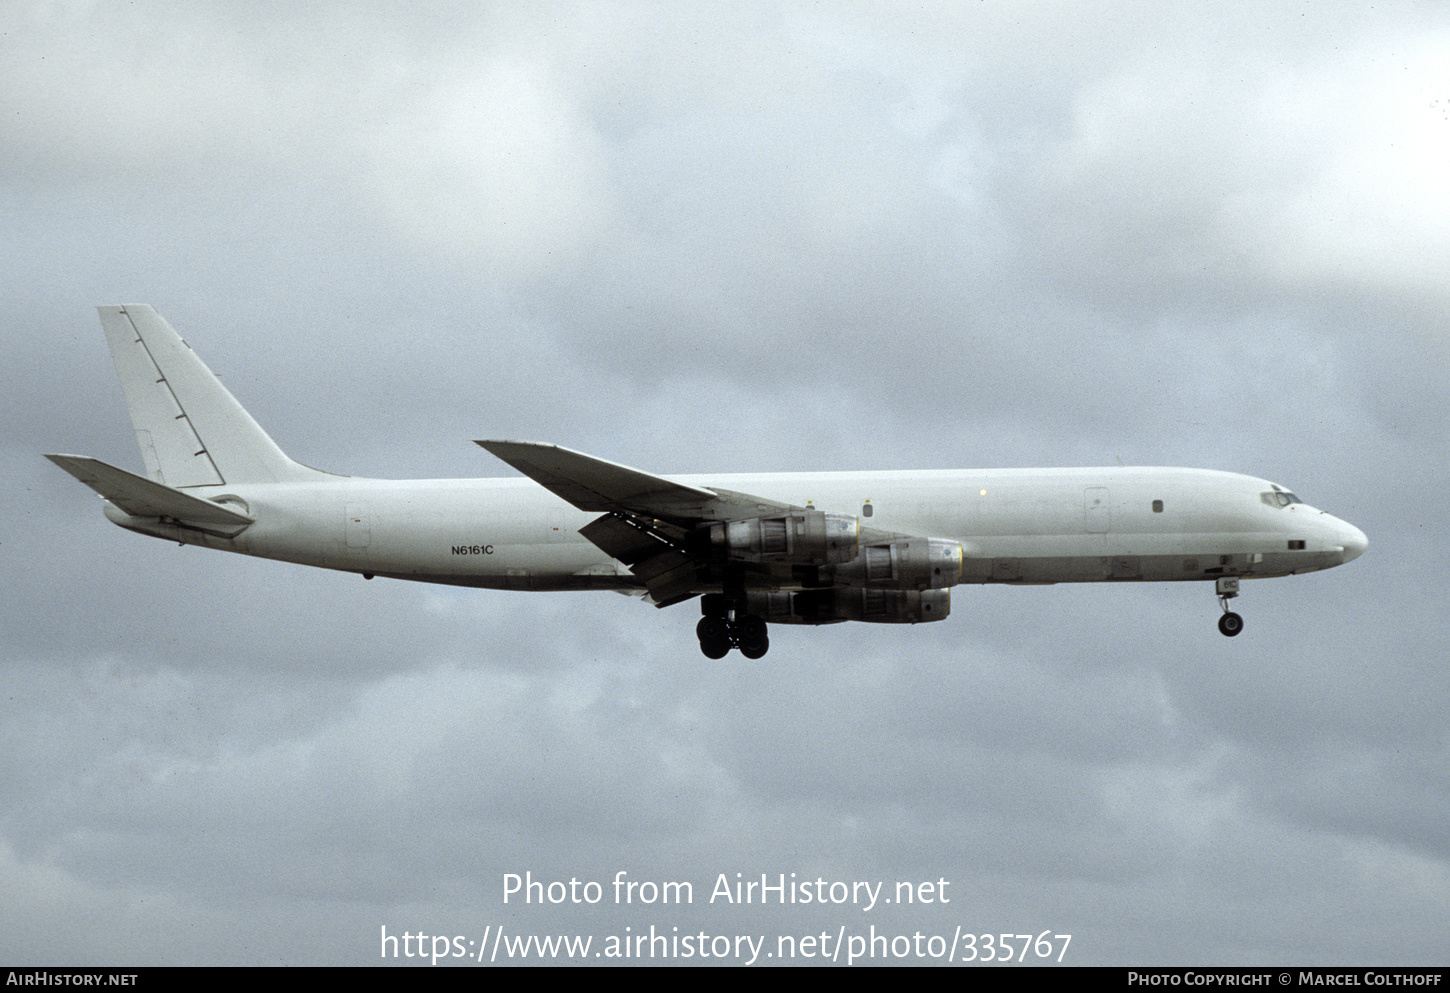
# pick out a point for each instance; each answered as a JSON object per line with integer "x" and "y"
{"x": 1374, "y": 204}
{"x": 497, "y": 165}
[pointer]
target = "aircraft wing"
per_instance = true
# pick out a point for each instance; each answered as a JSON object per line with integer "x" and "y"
{"x": 594, "y": 484}
{"x": 647, "y": 519}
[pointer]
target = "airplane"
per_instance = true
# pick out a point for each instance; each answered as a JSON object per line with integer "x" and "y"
{"x": 769, "y": 548}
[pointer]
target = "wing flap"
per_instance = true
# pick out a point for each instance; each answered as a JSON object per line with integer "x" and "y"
{"x": 668, "y": 573}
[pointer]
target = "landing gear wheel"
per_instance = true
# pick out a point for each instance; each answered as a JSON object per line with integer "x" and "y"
{"x": 1230, "y": 624}
{"x": 714, "y": 635}
{"x": 752, "y": 636}
{"x": 726, "y": 626}
{"x": 755, "y": 651}
{"x": 715, "y": 649}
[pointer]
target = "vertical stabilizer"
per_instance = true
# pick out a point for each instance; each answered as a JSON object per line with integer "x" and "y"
{"x": 191, "y": 429}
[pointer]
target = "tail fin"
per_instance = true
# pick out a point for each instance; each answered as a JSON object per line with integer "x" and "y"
{"x": 191, "y": 430}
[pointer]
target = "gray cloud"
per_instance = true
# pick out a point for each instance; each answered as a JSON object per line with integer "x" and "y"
{"x": 850, "y": 237}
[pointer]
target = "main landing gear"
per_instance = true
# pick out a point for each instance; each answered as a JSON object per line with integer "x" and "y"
{"x": 1230, "y": 624}
{"x": 726, "y": 625}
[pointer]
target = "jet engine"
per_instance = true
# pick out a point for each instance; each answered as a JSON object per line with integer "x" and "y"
{"x": 811, "y": 537}
{"x": 904, "y": 564}
{"x": 851, "y": 604}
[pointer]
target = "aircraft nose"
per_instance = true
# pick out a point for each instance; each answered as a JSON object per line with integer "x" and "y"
{"x": 1353, "y": 540}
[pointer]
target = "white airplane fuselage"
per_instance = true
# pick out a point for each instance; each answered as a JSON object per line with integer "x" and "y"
{"x": 1027, "y": 526}
{"x": 794, "y": 548}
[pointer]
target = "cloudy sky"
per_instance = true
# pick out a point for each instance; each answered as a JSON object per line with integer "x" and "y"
{"x": 729, "y": 238}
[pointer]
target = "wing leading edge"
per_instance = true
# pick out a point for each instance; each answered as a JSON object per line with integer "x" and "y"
{"x": 597, "y": 485}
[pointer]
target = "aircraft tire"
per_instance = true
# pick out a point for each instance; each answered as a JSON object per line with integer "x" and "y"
{"x": 1230, "y": 624}
{"x": 751, "y": 626}
{"x": 752, "y": 635}
{"x": 715, "y": 649}
{"x": 756, "y": 650}
{"x": 713, "y": 629}
{"x": 714, "y": 635}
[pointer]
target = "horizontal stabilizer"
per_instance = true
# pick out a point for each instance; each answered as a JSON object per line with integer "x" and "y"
{"x": 141, "y": 497}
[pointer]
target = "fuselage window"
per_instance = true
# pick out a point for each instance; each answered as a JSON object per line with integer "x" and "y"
{"x": 866, "y": 510}
{"x": 1157, "y": 506}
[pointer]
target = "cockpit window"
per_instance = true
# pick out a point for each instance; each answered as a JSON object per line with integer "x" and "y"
{"x": 1279, "y": 498}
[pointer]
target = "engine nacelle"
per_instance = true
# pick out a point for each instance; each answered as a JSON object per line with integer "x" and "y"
{"x": 811, "y": 537}
{"x": 853, "y": 604}
{"x": 906, "y": 564}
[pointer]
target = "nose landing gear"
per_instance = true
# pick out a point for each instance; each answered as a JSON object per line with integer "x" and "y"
{"x": 726, "y": 626}
{"x": 1230, "y": 624}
